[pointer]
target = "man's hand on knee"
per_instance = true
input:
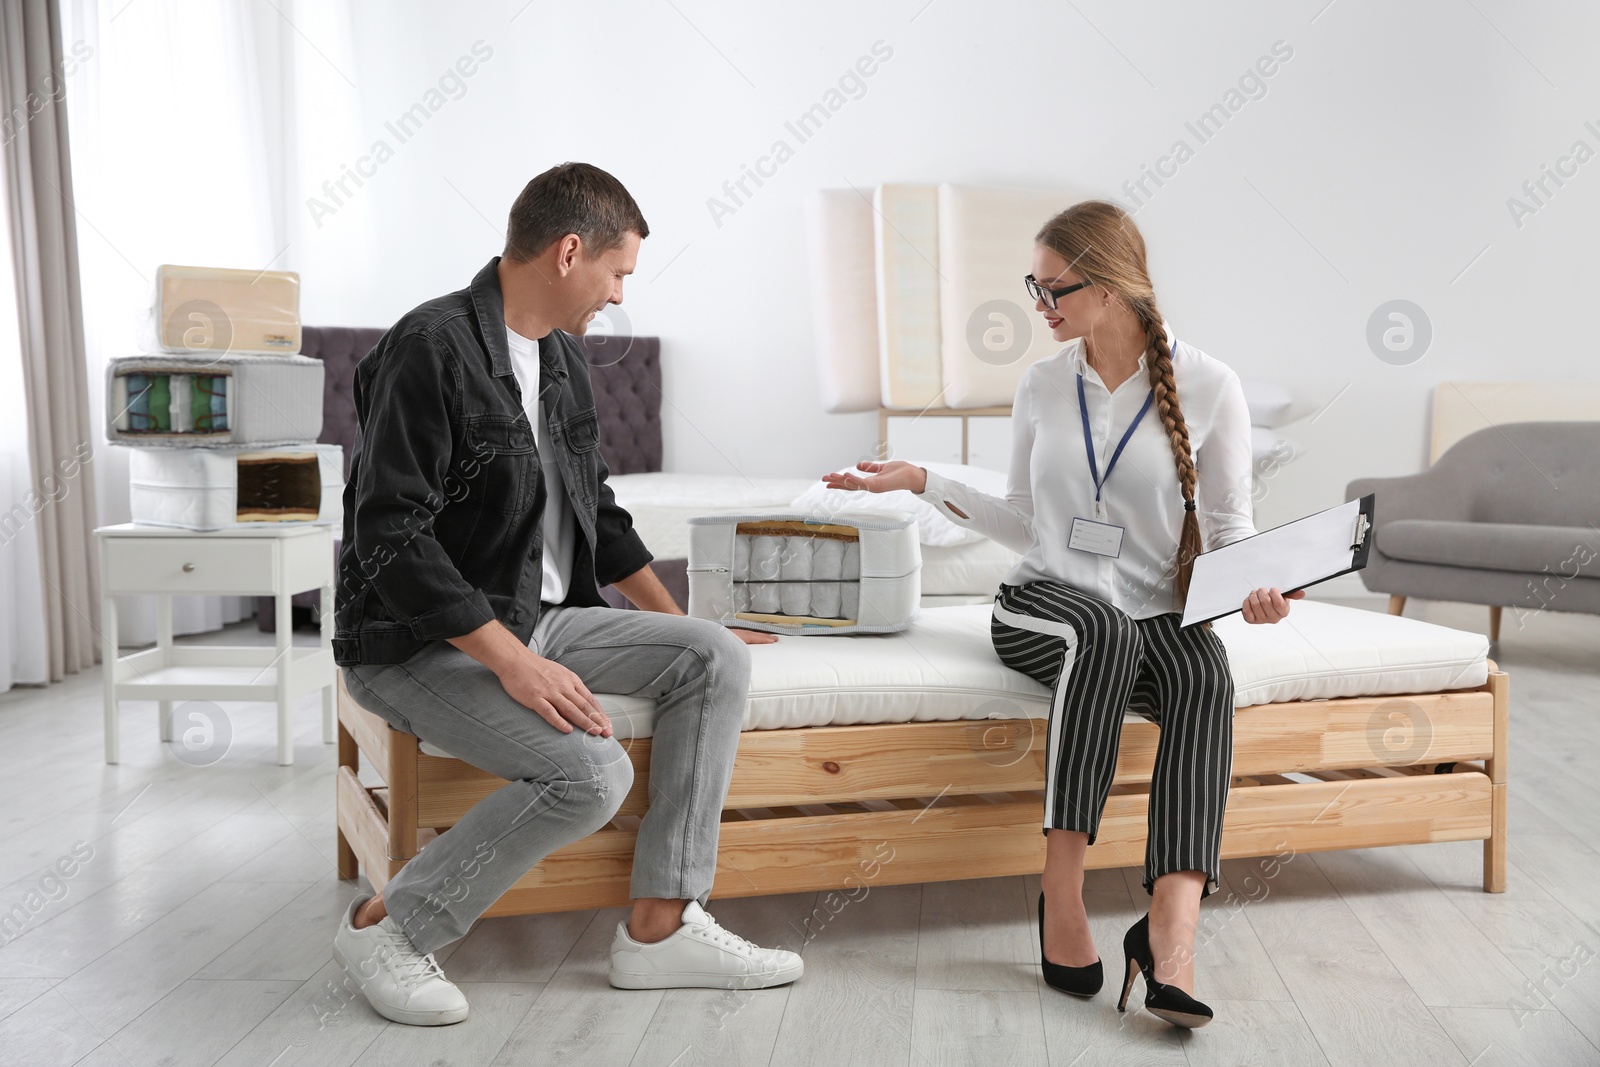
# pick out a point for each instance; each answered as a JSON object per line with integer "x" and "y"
{"x": 556, "y": 694}
{"x": 552, "y": 691}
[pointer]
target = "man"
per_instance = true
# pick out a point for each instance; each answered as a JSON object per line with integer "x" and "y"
{"x": 478, "y": 528}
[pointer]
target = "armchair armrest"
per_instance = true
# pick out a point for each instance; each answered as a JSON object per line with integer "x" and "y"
{"x": 1436, "y": 493}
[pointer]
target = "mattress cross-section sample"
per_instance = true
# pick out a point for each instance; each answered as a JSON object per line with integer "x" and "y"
{"x": 800, "y": 572}
{"x": 187, "y": 401}
{"x": 216, "y": 488}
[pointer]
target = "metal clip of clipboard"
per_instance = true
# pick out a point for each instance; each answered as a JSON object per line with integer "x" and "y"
{"x": 1362, "y": 526}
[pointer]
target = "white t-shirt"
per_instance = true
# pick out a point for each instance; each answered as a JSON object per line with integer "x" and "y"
{"x": 558, "y": 520}
{"x": 1049, "y": 482}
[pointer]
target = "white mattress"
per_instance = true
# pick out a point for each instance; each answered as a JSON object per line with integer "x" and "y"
{"x": 662, "y": 503}
{"x": 943, "y": 667}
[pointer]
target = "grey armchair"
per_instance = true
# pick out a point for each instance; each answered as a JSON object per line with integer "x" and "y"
{"x": 1508, "y": 517}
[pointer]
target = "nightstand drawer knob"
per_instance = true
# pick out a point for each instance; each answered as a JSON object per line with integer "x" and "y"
{"x": 188, "y": 568}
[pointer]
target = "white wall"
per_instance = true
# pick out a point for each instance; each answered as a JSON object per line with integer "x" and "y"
{"x": 1377, "y": 165}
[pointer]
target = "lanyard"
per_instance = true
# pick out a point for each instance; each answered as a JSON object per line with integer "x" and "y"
{"x": 1088, "y": 441}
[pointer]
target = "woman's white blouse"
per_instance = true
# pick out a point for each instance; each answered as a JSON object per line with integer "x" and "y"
{"x": 1049, "y": 481}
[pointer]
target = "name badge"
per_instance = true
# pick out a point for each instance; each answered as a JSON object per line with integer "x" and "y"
{"x": 1101, "y": 538}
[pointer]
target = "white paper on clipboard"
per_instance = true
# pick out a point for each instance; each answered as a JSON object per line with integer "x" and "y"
{"x": 1288, "y": 557}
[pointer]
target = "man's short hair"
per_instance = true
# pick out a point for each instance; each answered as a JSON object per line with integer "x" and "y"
{"x": 572, "y": 198}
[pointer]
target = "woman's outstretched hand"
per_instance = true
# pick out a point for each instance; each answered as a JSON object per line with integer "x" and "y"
{"x": 885, "y": 477}
{"x": 1268, "y": 605}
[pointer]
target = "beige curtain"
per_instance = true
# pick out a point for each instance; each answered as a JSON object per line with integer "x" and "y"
{"x": 44, "y": 249}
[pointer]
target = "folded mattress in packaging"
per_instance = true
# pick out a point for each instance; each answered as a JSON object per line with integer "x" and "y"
{"x": 216, "y": 309}
{"x": 217, "y": 488}
{"x": 183, "y": 401}
{"x": 800, "y": 572}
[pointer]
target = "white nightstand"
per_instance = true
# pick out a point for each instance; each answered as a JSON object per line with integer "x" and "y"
{"x": 250, "y": 561}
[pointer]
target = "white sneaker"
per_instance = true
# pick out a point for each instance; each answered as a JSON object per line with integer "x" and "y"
{"x": 399, "y": 982}
{"x": 699, "y": 953}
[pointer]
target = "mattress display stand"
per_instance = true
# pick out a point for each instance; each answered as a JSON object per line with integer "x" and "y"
{"x": 822, "y": 808}
{"x": 276, "y": 561}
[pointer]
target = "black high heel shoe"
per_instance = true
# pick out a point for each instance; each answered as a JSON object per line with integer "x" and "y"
{"x": 1163, "y": 1001}
{"x": 1080, "y": 981}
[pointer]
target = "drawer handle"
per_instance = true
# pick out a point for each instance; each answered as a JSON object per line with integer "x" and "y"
{"x": 188, "y": 568}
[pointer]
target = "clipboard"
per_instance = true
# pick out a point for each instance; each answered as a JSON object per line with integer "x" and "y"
{"x": 1293, "y": 556}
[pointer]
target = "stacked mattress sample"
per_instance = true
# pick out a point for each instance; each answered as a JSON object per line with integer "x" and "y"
{"x": 218, "y": 310}
{"x": 223, "y": 414}
{"x": 214, "y": 488}
{"x": 182, "y": 401}
{"x": 806, "y": 573}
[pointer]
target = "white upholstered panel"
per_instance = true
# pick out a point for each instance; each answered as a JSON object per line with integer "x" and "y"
{"x": 989, "y": 331}
{"x": 844, "y": 298}
{"x": 1462, "y": 408}
{"x": 906, "y": 240}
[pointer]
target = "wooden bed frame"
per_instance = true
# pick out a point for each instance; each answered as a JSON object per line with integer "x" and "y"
{"x": 834, "y": 807}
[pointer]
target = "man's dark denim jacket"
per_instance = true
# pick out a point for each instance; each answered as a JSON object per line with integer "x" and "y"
{"x": 442, "y": 509}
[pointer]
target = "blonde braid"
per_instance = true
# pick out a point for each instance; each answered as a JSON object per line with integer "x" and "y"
{"x": 1171, "y": 412}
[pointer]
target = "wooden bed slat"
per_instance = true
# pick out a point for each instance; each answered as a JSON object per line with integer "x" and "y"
{"x": 819, "y": 764}
{"x": 982, "y": 841}
{"x": 364, "y": 828}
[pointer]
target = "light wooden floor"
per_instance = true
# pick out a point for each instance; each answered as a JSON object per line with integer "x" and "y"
{"x": 199, "y": 930}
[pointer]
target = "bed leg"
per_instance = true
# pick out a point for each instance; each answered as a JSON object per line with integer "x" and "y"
{"x": 1494, "y": 846}
{"x": 402, "y": 782}
{"x": 349, "y": 756}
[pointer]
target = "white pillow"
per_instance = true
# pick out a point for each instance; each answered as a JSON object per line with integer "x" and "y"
{"x": 1269, "y": 447}
{"x": 1268, "y": 402}
{"x": 932, "y": 527}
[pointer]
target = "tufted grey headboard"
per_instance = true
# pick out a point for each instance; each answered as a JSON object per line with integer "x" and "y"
{"x": 340, "y": 348}
{"x": 625, "y": 371}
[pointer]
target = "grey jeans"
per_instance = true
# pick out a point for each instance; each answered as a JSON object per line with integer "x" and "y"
{"x": 562, "y": 787}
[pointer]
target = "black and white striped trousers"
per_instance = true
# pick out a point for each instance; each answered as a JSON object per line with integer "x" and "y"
{"x": 1099, "y": 661}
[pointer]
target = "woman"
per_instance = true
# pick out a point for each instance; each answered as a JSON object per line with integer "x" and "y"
{"x": 1110, "y": 482}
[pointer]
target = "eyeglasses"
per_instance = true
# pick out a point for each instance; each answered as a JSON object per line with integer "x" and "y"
{"x": 1049, "y": 296}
